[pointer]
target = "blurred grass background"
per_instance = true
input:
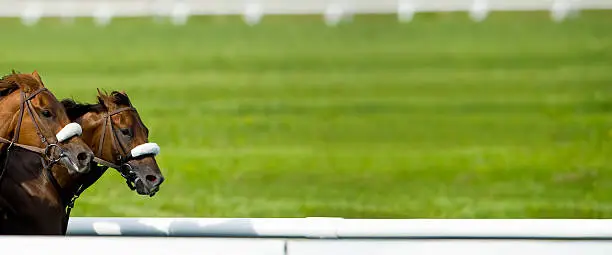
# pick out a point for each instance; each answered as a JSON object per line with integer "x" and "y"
{"x": 440, "y": 118}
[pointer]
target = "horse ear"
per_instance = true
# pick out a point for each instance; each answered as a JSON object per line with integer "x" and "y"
{"x": 37, "y": 77}
{"x": 99, "y": 92}
{"x": 103, "y": 94}
{"x": 102, "y": 98}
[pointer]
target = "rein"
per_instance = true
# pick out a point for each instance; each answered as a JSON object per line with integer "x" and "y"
{"x": 45, "y": 152}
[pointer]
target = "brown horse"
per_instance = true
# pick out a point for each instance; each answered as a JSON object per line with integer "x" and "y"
{"x": 112, "y": 126}
{"x": 33, "y": 121}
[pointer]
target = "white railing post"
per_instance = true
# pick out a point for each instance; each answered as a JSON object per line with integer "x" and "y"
{"x": 180, "y": 13}
{"x": 103, "y": 15}
{"x": 479, "y": 10}
{"x": 253, "y": 12}
{"x": 560, "y": 10}
{"x": 333, "y": 14}
{"x": 405, "y": 10}
{"x": 31, "y": 14}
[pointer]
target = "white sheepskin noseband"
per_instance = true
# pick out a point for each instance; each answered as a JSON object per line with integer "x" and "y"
{"x": 69, "y": 131}
{"x": 145, "y": 149}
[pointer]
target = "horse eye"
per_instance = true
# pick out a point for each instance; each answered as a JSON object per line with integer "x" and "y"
{"x": 125, "y": 131}
{"x": 46, "y": 113}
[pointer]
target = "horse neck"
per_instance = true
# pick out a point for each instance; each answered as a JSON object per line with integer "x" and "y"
{"x": 28, "y": 182}
{"x": 91, "y": 123}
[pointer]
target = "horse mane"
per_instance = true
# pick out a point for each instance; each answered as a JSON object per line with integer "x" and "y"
{"x": 8, "y": 84}
{"x": 76, "y": 110}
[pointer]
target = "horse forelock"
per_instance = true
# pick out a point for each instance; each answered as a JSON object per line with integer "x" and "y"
{"x": 11, "y": 82}
{"x": 120, "y": 98}
{"x": 7, "y": 87}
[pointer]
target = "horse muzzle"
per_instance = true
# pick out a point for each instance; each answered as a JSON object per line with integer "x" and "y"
{"x": 65, "y": 154}
{"x": 143, "y": 180}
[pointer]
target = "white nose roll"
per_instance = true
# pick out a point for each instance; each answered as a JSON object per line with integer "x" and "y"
{"x": 69, "y": 131}
{"x": 145, "y": 149}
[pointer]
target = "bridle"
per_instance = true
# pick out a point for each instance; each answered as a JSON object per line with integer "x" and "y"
{"x": 50, "y": 144}
{"x": 123, "y": 155}
{"x": 122, "y": 164}
{"x": 46, "y": 152}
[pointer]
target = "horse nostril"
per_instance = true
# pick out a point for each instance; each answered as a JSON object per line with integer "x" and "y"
{"x": 151, "y": 178}
{"x": 83, "y": 156}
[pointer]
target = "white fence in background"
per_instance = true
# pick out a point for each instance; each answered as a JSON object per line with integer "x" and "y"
{"x": 320, "y": 236}
{"x": 253, "y": 10}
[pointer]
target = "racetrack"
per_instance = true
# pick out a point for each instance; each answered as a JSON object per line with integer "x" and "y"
{"x": 438, "y": 118}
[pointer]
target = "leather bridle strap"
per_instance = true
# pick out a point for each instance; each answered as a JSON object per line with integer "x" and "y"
{"x": 106, "y": 163}
{"x": 89, "y": 180}
{"x": 25, "y": 104}
{"x": 122, "y": 158}
{"x": 35, "y": 117}
{"x": 21, "y": 112}
{"x": 108, "y": 125}
{"x": 23, "y": 146}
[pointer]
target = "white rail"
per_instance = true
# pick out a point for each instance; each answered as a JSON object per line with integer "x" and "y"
{"x": 243, "y": 246}
{"x": 179, "y": 10}
{"x": 321, "y": 236}
{"x": 339, "y": 228}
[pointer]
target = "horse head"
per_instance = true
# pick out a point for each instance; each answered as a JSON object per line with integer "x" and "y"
{"x": 115, "y": 131}
{"x": 34, "y": 117}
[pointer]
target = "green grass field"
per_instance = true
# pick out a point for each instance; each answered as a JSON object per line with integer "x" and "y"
{"x": 439, "y": 118}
